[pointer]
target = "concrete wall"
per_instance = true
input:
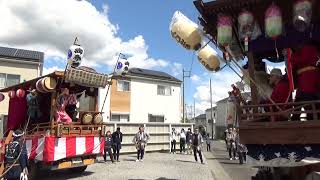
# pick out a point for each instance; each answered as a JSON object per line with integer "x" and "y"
{"x": 27, "y": 71}
{"x": 159, "y": 134}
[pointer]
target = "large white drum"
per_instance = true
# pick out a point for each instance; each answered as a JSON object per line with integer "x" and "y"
{"x": 46, "y": 84}
{"x": 87, "y": 118}
{"x": 209, "y": 59}
{"x": 185, "y": 32}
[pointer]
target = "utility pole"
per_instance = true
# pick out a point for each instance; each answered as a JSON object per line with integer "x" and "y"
{"x": 184, "y": 75}
{"x": 211, "y": 110}
{"x": 194, "y": 111}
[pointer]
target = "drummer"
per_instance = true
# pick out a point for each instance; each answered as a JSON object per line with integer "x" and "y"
{"x": 62, "y": 101}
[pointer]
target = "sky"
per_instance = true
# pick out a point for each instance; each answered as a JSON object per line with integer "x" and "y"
{"x": 107, "y": 27}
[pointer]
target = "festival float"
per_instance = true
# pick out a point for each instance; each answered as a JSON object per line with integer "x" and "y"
{"x": 53, "y": 145}
{"x": 267, "y": 30}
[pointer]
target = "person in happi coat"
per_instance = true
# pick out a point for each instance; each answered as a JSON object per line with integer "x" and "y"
{"x": 117, "y": 140}
{"x": 62, "y": 101}
{"x": 16, "y": 158}
{"x": 108, "y": 146}
{"x": 33, "y": 106}
{"x": 140, "y": 140}
{"x": 305, "y": 65}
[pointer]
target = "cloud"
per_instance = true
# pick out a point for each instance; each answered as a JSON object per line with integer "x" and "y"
{"x": 176, "y": 69}
{"x": 220, "y": 84}
{"x": 47, "y": 26}
{"x": 195, "y": 78}
{"x": 50, "y": 70}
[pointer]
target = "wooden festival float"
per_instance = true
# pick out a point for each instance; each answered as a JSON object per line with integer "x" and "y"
{"x": 257, "y": 30}
{"x": 53, "y": 145}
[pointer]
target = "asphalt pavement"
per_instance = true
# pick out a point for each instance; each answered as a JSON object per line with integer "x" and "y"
{"x": 231, "y": 167}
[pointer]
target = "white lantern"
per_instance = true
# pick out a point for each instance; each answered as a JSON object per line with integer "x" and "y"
{"x": 75, "y": 55}
{"x": 209, "y": 59}
{"x": 185, "y": 32}
{"x": 122, "y": 67}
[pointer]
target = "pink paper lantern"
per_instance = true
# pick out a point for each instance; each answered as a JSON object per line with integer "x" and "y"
{"x": 224, "y": 30}
{"x": 273, "y": 21}
{"x": 2, "y": 97}
{"x": 12, "y": 94}
{"x": 20, "y": 93}
{"x": 302, "y": 14}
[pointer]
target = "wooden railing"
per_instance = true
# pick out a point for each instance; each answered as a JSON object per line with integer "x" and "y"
{"x": 272, "y": 112}
{"x": 74, "y": 128}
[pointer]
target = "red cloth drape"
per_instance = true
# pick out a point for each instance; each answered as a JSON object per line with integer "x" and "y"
{"x": 17, "y": 114}
{"x": 289, "y": 73}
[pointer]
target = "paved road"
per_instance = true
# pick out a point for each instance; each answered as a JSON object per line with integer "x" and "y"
{"x": 232, "y": 168}
{"x": 156, "y": 166}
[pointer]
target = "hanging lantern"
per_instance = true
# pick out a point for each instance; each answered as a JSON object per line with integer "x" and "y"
{"x": 185, "y": 32}
{"x": 302, "y": 14}
{"x": 75, "y": 55}
{"x": 12, "y": 94}
{"x": 273, "y": 24}
{"x": 122, "y": 67}
{"x": 273, "y": 21}
{"x": 209, "y": 59}
{"x": 224, "y": 30}
{"x": 246, "y": 27}
{"x": 2, "y": 97}
{"x": 20, "y": 93}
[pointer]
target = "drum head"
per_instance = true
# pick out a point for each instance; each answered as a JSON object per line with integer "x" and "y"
{"x": 98, "y": 119}
{"x": 50, "y": 83}
{"x": 87, "y": 118}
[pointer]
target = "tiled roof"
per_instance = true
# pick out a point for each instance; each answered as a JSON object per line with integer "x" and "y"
{"x": 26, "y": 55}
{"x": 151, "y": 74}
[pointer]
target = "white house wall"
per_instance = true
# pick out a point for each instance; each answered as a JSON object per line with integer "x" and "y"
{"x": 145, "y": 100}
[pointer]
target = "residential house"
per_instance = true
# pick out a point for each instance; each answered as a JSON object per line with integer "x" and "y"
{"x": 16, "y": 66}
{"x": 143, "y": 96}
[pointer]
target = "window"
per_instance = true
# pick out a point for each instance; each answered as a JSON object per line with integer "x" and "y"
{"x": 120, "y": 117}
{"x": 7, "y": 80}
{"x": 164, "y": 90}
{"x": 154, "y": 118}
{"x": 123, "y": 85}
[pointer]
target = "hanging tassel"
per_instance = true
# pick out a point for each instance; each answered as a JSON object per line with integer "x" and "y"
{"x": 275, "y": 46}
{"x": 227, "y": 56}
{"x": 246, "y": 43}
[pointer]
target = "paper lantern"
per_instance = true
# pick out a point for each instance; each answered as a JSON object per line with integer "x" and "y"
{"x": 246, "y": 27}
{"x": 224, "y": 30}
{"x": 273, "y": 21}
{"x": 185, "y": 32}
{"x": 246, "y": 24}
{"x": 12, "y": 94}
{"x": 209, "y": 59}
{"x": 302, "y": 14}
{"x": 122, "y": 67}
{"x": 2, "y": 97}
{"x": 20, "y": 93}
{"x": 75, "y": 55}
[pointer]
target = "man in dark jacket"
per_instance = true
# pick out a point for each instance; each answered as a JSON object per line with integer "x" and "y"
{"x": 107, "y": 147}
{"x": 188, "y": 140}
{"x": 16, "y": 150}
{"x": 117, "y": 140}
{"x": 197, "y": 141}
